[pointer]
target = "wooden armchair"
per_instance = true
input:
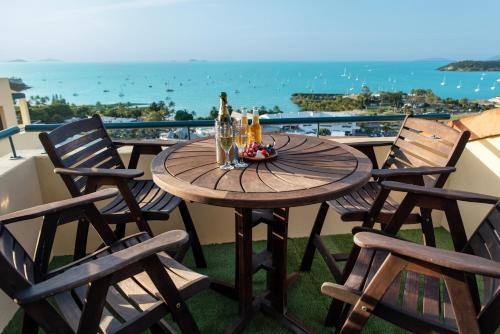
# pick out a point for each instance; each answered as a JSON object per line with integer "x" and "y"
{"x": 86, "y": 158}
{"x": 424, "y": 153}
{"x": 421, "y": 288}
{"x": 127, "y": 287}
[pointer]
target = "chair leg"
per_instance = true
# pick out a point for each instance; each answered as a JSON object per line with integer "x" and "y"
{"x": 378, "y": 286}
{"x": 199, "y": 258}
{"x": 82, "y": 233}
{"x": 428, "y": 228}
{"x": 120, "y": 231}
{"x": 308, "y": 257}
{"x": 29, "y": 325}
{"x": 335, "y": 312}
{"x": 170, "y": 295}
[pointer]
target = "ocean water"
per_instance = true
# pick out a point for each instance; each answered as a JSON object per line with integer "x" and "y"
{"x": 196, "y": 85}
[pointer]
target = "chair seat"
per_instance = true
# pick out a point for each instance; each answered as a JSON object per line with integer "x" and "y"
{"x": 134, "y": 297}
{"x": 154, "y": 202}
{"x": 355, "y": 205}
{"x": 412, "y": 296}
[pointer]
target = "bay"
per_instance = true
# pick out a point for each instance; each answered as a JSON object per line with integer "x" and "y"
{"x": 195, "y": 85}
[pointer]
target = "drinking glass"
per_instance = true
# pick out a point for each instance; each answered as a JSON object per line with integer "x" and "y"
{"x": 225, "y": 133}
{"x": 240, "y": 139}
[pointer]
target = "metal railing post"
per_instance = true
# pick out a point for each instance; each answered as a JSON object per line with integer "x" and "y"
{"x": 317, "y": 133}
{"x": 189, "y": 133}
{"x": 13, "y": 149}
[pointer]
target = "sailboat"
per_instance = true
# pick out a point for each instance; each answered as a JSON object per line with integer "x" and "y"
{"x": 345, "y": 72}
{"x": 357, "y": 78}
{"x": 459, "y": 85}
{"x": 443, "y": 83}
{"x": 494, "y": 86}
{"x": 498, "y": 80}
{"x": 477, "y": 89}
{"x": 482, "y": 76}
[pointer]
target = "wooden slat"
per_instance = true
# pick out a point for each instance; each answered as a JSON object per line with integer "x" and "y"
{"x": 88, "y": 150}
{"x": 69, "y": 130}
{"x": 109, "y": 323}
{"x": 432, "y": 127}
{"x": 410, "y": 295}
{"x": 443, "y": 148}
{"x": 448, "y": 313}
{"x": 121, "y": 305}
{"x": 68, "y": 308}
{"x": 357, "y": 277}
{"x": 431, "y": 300}
{"x": 392, "y": 295}
{"x": 140, "y": 297}
{"x": 6, "y": 244}
{"x": 231, "y": 181}
{"x": 421, "y": 153}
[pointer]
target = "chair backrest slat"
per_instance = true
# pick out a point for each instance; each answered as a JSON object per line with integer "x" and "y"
{"x": 85, "y": 144}
{"x": 16, "y": 266}
{"x": 426, "y": 143}
{"x": 485, "y": 242}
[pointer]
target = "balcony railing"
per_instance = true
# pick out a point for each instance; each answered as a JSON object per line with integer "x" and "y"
{"x": 192, "y": 124}
{"x": 8, "y": 133}
{"x": 264, "y": 121}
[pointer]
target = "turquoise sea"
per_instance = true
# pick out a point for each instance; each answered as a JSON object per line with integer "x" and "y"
{"x": 195, "y": 85}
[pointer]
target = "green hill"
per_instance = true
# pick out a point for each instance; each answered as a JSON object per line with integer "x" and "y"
{"x": 472, "y": 66}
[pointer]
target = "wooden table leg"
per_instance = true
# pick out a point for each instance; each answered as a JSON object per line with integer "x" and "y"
{"x": 274, "y": 301}
{"x": 244, "y": 259}
{"x": 278, "y": 284}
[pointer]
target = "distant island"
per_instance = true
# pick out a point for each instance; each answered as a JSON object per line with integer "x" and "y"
{"x": 472, "y": 66}
{"x": 51, "y": 60}
{"x": 17, "y": 61}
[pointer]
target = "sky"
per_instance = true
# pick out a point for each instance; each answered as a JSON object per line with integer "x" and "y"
{"x": 313, "y": 30}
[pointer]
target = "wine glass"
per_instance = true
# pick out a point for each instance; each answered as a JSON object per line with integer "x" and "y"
{"x": 225, "y": 133}
{"x": 240, "y": 139}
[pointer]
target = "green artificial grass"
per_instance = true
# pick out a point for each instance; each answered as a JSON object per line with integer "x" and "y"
{"x": 214, "y": 312}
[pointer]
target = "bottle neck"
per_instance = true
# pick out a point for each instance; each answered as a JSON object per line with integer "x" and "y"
{"x": 255, "y": 119}
{"x": 222, "y": 108}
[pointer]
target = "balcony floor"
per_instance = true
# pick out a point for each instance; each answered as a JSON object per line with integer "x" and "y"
{"x": 214, "y": 312}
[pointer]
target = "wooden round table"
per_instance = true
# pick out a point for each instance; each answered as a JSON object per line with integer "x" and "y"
{"x": 308, "y": 170}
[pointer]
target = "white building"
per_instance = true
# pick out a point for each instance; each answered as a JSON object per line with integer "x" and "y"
{"x": 336, "y": 129}
{"x": 495, "y": 101}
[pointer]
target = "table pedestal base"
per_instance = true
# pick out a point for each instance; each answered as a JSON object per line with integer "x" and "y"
{"x": 273, "y": 259}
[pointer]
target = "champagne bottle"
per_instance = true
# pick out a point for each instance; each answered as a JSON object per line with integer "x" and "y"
{"x": 222, "y": 118}
{"x": 255, "y": 131}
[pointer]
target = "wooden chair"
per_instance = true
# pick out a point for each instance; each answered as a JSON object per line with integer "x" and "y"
{"x": 421, "y": 288}
{"x": 424, "y": 153}
{"x": 86, "y": 158}
{"x": 127, "y": 287}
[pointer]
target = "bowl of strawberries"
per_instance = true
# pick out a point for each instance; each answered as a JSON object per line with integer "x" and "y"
{"x": 259, "y": 152}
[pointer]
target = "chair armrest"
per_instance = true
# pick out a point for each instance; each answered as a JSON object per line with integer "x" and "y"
{"x": 412, "y": 171}
{"x": 364, "y": 144}
{"x": 102, "y": 267}
{"x": 441, "y": 193}
{"x": 440, "y": 257}
{"x": 144, "y": 142}
{"x": 55, "y": 207}
{"x": 101, "y": 172}
{"x": 359, "y": 229}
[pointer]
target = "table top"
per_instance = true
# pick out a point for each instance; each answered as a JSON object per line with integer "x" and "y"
{"x": 308, "y": 170}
